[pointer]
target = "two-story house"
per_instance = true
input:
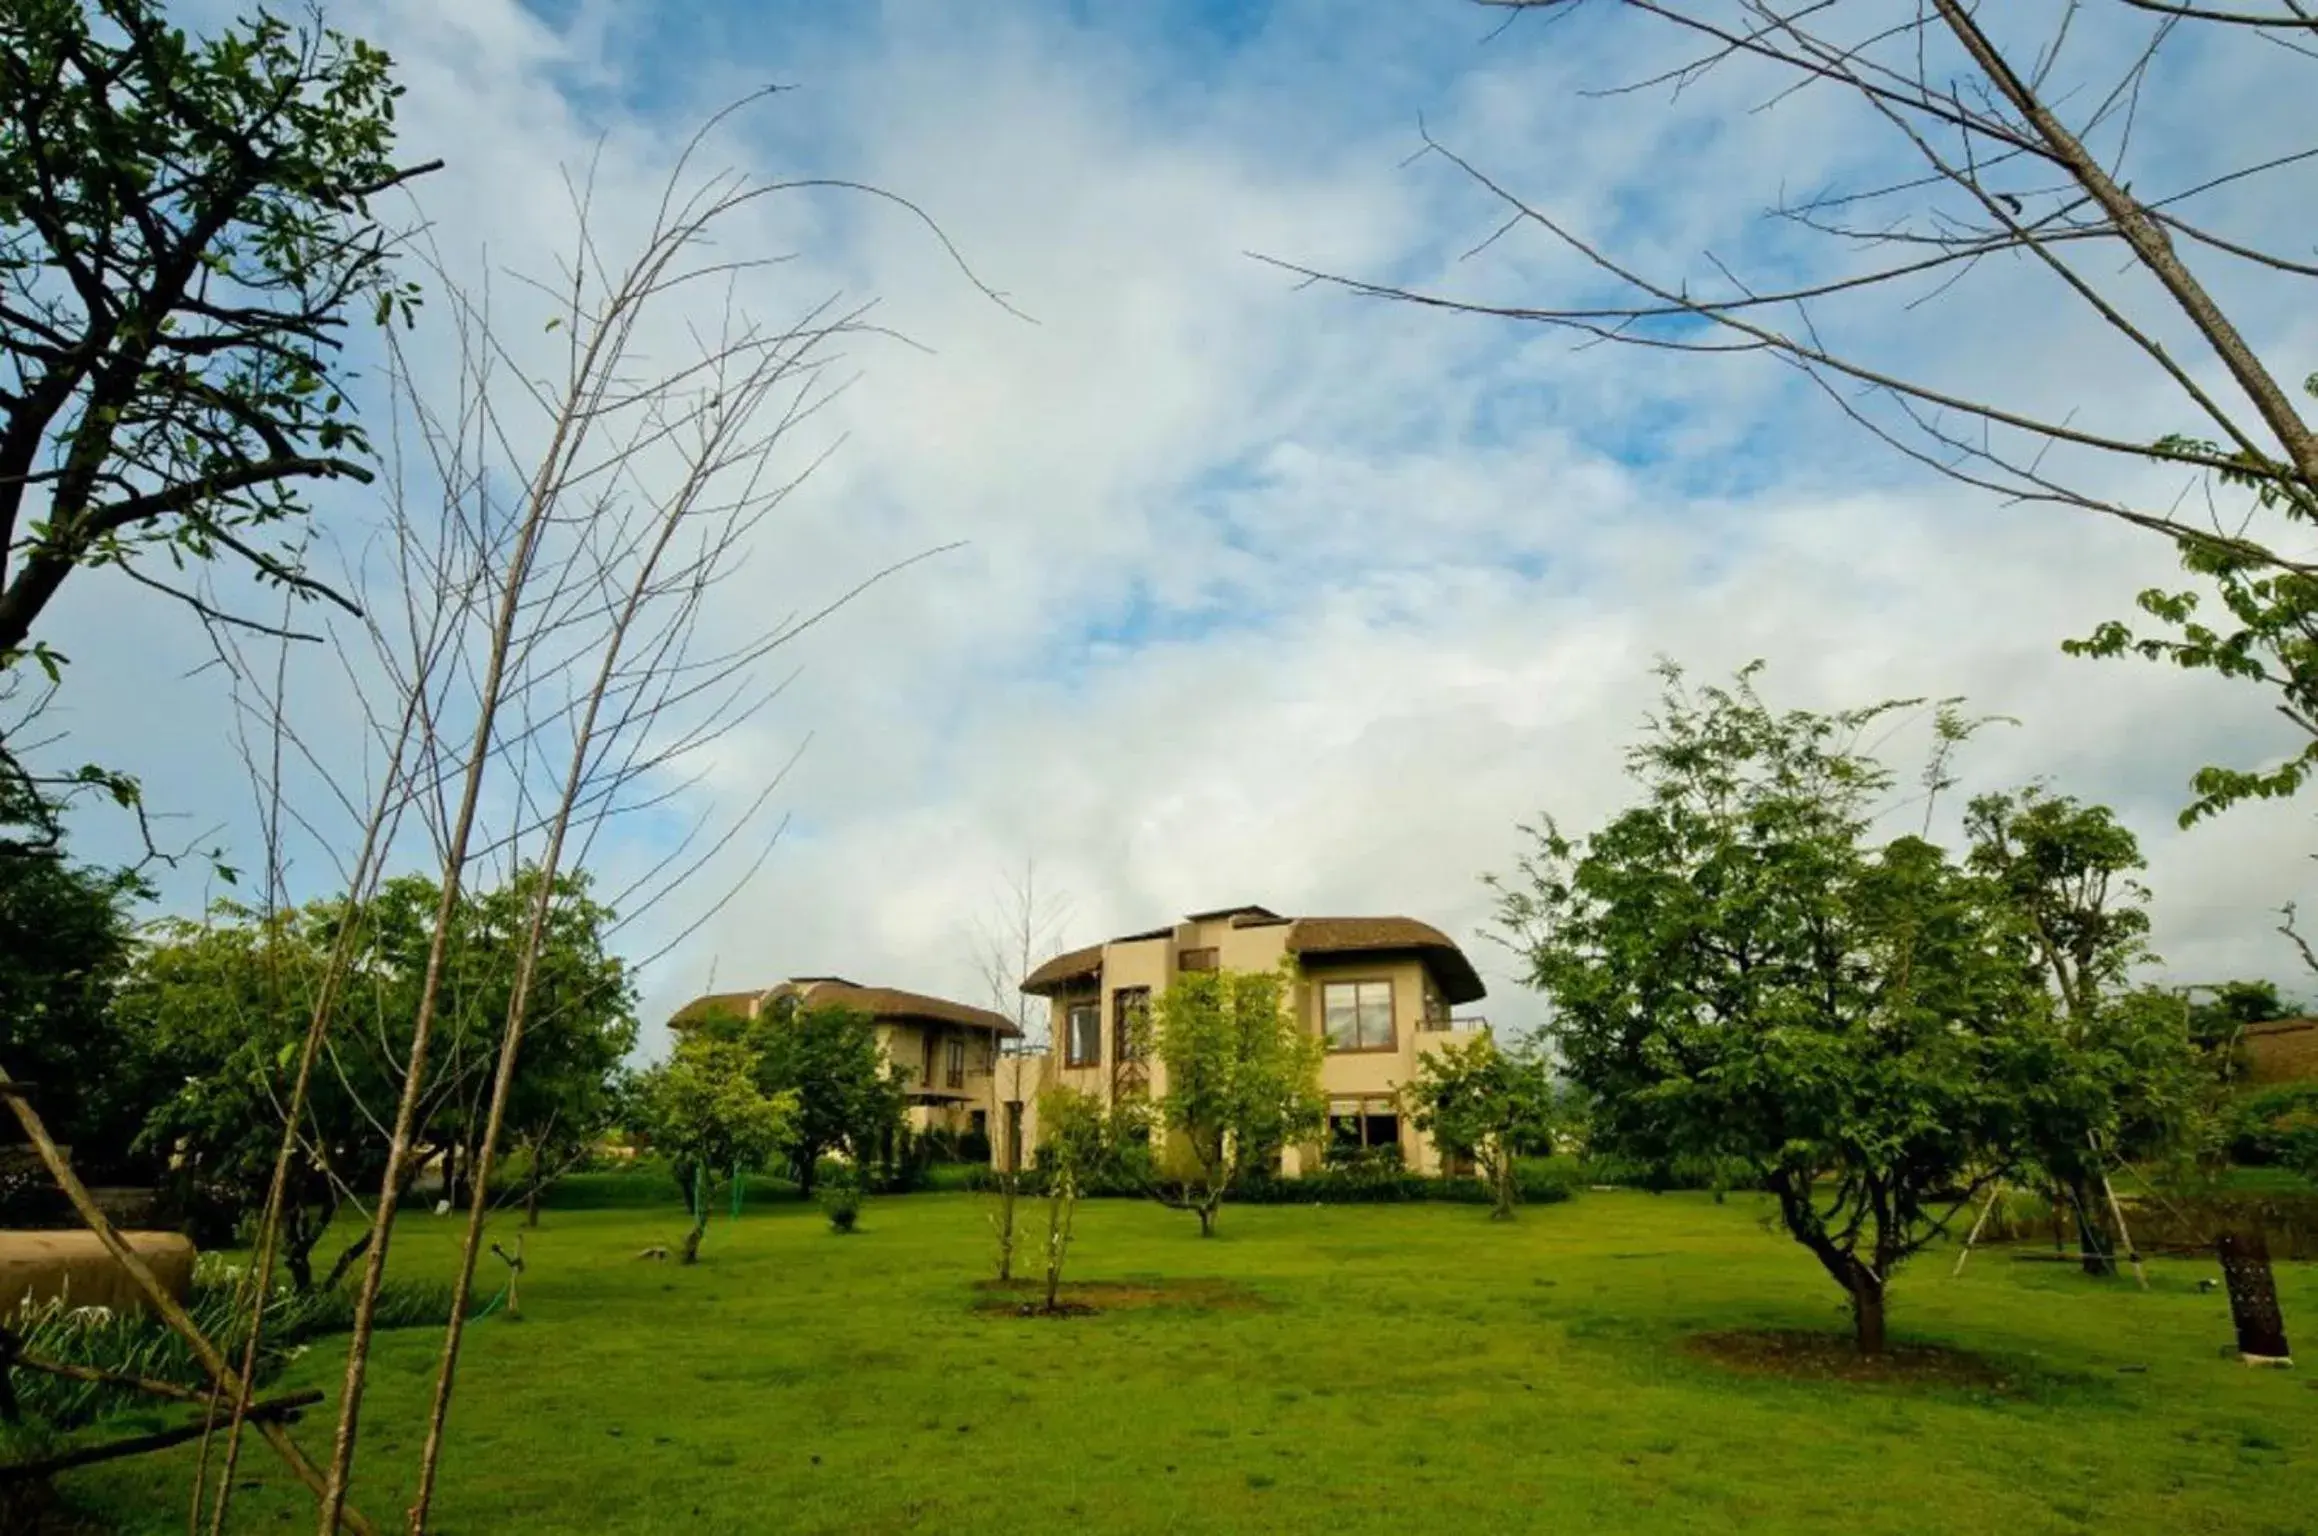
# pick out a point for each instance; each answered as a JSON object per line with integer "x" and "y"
{"x": 1379, "y": 990}
{"x": 946, "y": 1052}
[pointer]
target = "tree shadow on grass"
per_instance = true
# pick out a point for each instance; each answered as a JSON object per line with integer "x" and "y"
{"x": 1085, "y": 1298}
{"x": 1800, "y": 1354}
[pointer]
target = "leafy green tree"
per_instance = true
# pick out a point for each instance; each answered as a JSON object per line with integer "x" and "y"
{"x": 1077, "y": 1137}
{"x": 65, "y": 943}
{"x": 848, "y": 1097}
{"x": 184, "y": 226}
{"x": 1739, "y": 974}
{"x": 2120, "y": 1076}
{"x": 704, "y": 1109}
{"x": 221, "y": 1007}
{"x": 1489, "y": 1104}
{"x": 1242, "y": 1082}
{"x": 2218, "y": 1019}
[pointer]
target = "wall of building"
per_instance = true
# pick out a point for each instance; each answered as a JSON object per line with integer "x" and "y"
{"x": 1346, "y": 1076}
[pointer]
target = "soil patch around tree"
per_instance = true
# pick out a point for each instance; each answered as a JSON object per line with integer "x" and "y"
{"x": 1804, "y": 1355}
{"x": 1085, "y": 1298}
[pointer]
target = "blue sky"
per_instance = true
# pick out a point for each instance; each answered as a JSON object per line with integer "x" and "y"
{"x": 1269, "y": 594}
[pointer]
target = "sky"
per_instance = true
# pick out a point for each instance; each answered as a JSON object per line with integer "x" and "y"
{"x": 1267, "y": 593}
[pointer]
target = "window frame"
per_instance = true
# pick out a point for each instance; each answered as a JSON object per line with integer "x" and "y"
{"x": 1205, "y": 957}
{"x": 1391, "y": 1015}
{"x": 954, "y": 1061}
{"x": 1070, "y": 1034}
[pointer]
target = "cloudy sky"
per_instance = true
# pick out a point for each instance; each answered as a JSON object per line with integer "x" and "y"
{"x": 1274, "y": 594}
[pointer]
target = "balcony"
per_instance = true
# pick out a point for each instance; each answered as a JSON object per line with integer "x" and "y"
{"x": 1443, "y": 1024}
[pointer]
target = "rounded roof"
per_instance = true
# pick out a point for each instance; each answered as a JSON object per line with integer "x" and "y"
{"x": 1459, "y": 982}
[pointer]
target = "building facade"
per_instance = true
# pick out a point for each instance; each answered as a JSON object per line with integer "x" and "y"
{"x": 945, "y": 1053}
{"x": 1378, "y": 990}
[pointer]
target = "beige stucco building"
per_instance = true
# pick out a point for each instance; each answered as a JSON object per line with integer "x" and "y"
{"x": 1379, "y": 990}
{"x": 946, "y": 1053}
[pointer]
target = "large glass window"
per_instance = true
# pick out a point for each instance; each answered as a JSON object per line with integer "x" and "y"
{"x": 956, "y": 1062}
{"x": 1083, "y": 1036}
{"x": 1363, "y": 1129}
{"x": 1358, "y": 1015}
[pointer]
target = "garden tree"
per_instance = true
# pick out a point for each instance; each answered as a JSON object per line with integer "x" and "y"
{"x": 705, "y": 1111}
{"x": 2217, "y": 1021}
{"x": 1077, "y": 1136}
{"x": 64, "y": 944}
{"x": 848, "y": 1096}
{"x": 1242, "y": 1083}
{"x": 1737, "y": 972}
{"x": 185, "y": 231}
{"x": 2068, "y": 870}
{"x": 1489, "y": 1104}
{"x": 1024, "y": 934}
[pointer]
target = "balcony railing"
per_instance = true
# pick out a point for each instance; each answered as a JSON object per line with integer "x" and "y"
{"x": 1442, "y": 1024}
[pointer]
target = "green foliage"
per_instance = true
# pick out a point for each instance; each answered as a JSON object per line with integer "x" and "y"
{"x": 848, "y": 1097}
{"x": 2279, "y": 1127}
{"x": 1242, "y": 1079}
{"x": 841, "y": 1201}
{"x": 185, "y": 225}
{"x": 2217, "y": 1019}
{"x": 222, "y": 1008}
{"x": 1739, "y": 976}
{"x": 2266, "y": 635}
{"x": 64, "y": 945}
{"x": 1489, "y": 1104}
{"x": 705, "y": 1111}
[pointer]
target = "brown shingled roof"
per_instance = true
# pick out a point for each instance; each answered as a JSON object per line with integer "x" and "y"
{"x": 715, "y": 1005}
{"x": 1460, "y": 983}
{"x": 1062, "y": 970}
{"x": 892, "y": 1004}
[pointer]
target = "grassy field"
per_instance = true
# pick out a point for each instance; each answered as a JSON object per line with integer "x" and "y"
{"x": 1402, "y": 1368}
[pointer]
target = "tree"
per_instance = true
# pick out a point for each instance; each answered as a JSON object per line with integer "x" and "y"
{"x": 1738, "y": 973}
{"x": 65, "y": 943}
{"x": 2217, "y": 1023}
{"x": 185, "y": 226}
{"x": 1491, "y": 1105}
{"x": 704, "y": 1109}
{"x": 1024, "y": 934}
{"x": 1076, "y": 1138}
{"x": 848, "y": 1097}
{"x": 2013, "y": 159}
{"x": 2121, "y": 1064}
{"x": 1242, "y": 1082}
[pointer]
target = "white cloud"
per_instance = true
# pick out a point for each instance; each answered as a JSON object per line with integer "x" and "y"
{"x": 1401, "y": 575}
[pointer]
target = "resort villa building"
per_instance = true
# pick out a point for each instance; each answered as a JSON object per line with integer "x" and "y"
{"x": 946, "y": 1053}
{"x": 1379, "y": 990}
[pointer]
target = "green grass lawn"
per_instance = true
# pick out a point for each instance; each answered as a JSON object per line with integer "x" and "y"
{"x": 1389, "y": 1368}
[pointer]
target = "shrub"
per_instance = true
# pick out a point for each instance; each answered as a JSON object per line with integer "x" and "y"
{"x": 2279, "y": 1127}
{"x": 842, "y": 1202}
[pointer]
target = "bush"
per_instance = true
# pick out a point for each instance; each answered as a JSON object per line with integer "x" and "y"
{"x": 1377, "y": 1182}
{"x": 842, "y": 1202}
{"x": 2278, "y": 1127}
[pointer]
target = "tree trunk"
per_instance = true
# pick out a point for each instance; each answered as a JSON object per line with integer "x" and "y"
{"x": 1207, "y": 1221}
{"x": 2093, "y": 1241}
{"x": 808, "y": 1162}
{"x": 1503, "y": 1179}
{"x": 1867, "y": 1313}
{"x": 689, "y": 1253}
{"x": 531, "y": 1199}
{"x": 451, "y": 1172}
{"x": 1006, "y": 1200}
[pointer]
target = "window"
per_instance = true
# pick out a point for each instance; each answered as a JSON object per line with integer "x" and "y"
{"x": 986, "y": 1059}
{"x": 932, "y": 1038}
{"x": 1357, "y": 1015}
{"x": 1130, "y": 1006}
{"x": 1083, "y": 1035}
{"x": 1362, "y": 1129}
{"x": 1196, "y": 960}
{"x": 957, "y": 1063}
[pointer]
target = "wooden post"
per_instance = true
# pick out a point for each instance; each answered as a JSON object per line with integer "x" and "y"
{"x": 2253, "y": 1298}
{"x": 2124, "y": 1234}
{"x": 1986, "y": 1211}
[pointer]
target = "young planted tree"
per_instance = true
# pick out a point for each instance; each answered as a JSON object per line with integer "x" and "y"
{"x": 704, "y": 1109}
{"x": 1007, "y": 950}
{"x": 1739, "y": 973}
{"x": 1242, "y": 1083}
{"x": 1481, "y": 1102}
{"x": 1076, "y": 1137}
{"x": 848, "y": 1096}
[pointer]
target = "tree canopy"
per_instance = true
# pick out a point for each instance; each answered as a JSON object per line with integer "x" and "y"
{"x": 1739, "y": 971}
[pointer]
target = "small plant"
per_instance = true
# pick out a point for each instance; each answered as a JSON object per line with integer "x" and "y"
{"x": 842, "y": 1202}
